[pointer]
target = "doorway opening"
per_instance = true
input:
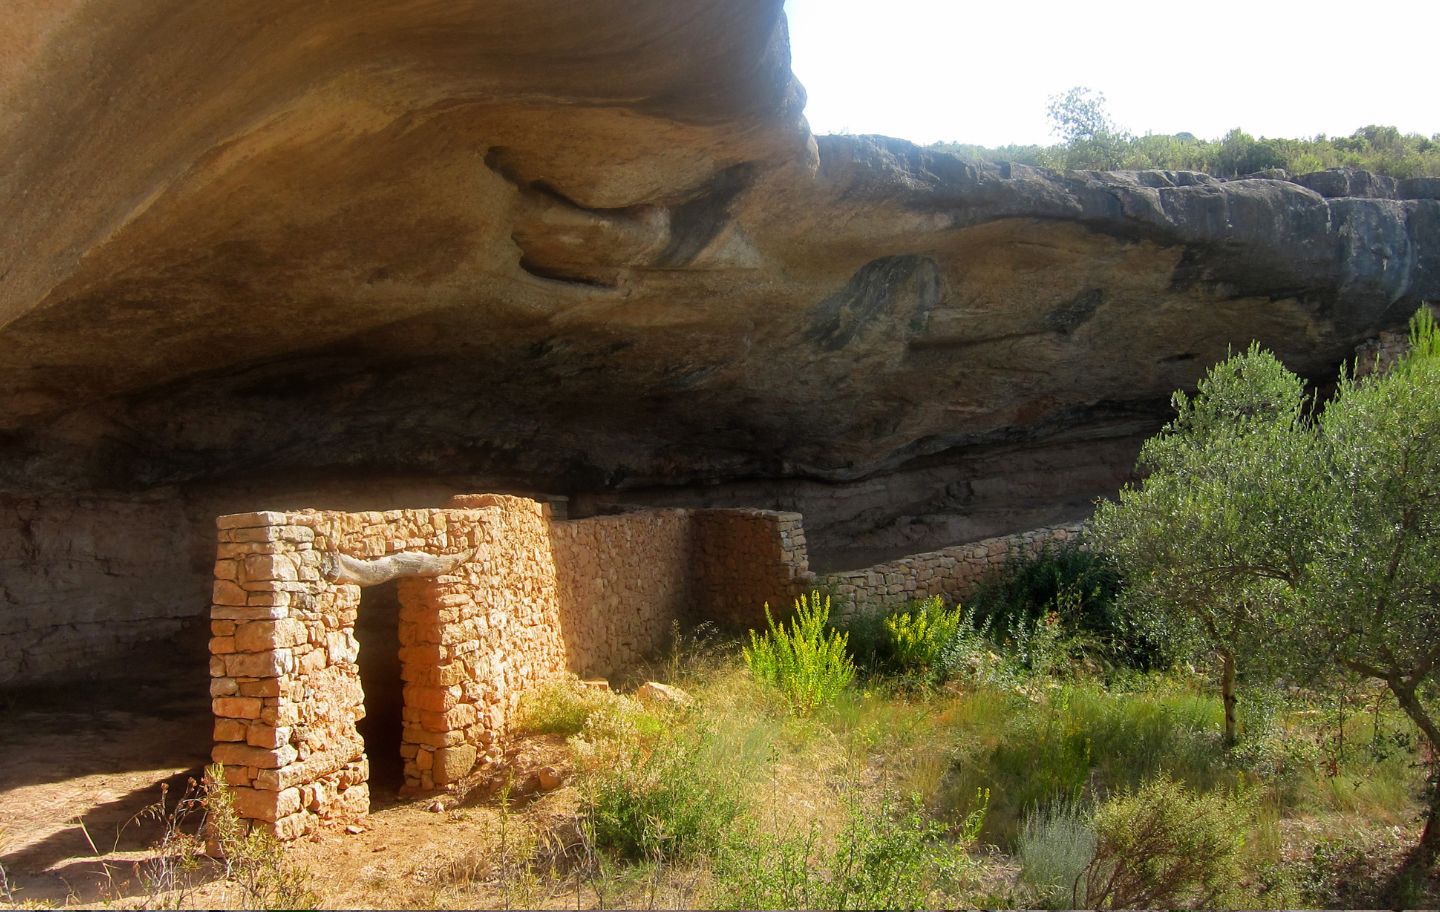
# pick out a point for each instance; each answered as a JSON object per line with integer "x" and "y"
{"x": 378, "y": 630}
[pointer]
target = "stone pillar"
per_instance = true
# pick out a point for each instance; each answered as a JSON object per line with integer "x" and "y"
{"x": 284, "y": 683}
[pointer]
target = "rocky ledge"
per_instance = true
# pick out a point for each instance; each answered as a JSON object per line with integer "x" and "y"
{"x": 272, "y": 255}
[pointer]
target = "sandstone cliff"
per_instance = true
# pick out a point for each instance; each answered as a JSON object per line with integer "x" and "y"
{"x": 263, "y": 254}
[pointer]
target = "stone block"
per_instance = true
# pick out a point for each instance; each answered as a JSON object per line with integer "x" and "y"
{"x": 453, "y": 763}
{"x": 263, "y": 635}
{"x": 249, "y": 613}
{"x": 250, "y": 520}
{"x": 279, "y": 713}
{"x": 259, "y": 664}
{"x": 254, "y": 804}
{"x": 259, "y": 758}
{"x": 222, "y": 645}
{"x": 288, "y": 829}
{"x": 224, "y": 687}
{"x": 226, "y": 592}
{"x": 230, "y": 730}
{"x": 236, "y": 707}
{"x": 265, "y": 687}
{"x": 269, "y": 567}
{"x": 267, "y": 736}
{"x": 431, "y": 699}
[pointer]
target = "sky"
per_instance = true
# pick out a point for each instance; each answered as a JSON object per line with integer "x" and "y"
{"x": 982, "y": 72}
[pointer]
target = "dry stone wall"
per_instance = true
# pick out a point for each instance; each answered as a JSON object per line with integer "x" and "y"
{"x": 527, "y": 598}
{"x": 621, "y": 581}
{"x": 951, "y": 573}
{"x": 747, "y": 559}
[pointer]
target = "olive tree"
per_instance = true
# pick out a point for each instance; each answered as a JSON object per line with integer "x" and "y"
{"x": 1372, "y": 595}
{"x": 1312, "y": 542}
{"x": 1215, "y": 539}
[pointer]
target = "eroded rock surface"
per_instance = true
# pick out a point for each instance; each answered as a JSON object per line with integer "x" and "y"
{"x": 269, "y": 255}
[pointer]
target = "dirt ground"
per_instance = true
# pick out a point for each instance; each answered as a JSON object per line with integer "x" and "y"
{"x": 79, "y": 766}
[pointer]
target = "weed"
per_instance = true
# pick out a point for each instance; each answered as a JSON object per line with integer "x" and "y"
{"x": 559, "y": 707}
{"x": 667, "y": 801}
{"x": 252, "y": 858}
{"x": 807, "y": 662}
{"x": 167, "y": 876}
{"x": 1082, "y": 587}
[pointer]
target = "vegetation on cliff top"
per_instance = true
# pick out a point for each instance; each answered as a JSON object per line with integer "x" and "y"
{"x": 1089, "y": 139}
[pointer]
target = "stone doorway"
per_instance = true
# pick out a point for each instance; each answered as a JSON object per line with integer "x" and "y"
{"x": 377, "y": 629}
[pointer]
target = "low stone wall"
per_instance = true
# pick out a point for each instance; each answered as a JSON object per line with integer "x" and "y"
{"x": 951, "y": 573}
{"x": 528, "y": 599}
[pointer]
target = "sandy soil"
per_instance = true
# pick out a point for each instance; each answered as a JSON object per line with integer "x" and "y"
{"x": 80, "y": 765}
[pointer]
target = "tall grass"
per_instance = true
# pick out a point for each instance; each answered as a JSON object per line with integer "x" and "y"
{"x": 1080, "y": 739}
{"x": 892, "y": 856}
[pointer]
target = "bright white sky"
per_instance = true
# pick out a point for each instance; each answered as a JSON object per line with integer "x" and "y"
{"x": 981, "y": 71}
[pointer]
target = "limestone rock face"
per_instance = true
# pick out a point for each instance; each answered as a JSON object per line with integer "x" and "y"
{"x": 590, "y": 247}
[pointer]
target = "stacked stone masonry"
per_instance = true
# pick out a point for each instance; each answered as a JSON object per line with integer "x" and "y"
{"x": 951, "y": 573}
{"x": 528, "y": 598}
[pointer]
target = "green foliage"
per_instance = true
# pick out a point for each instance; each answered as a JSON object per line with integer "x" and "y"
{"x": 891, "y": 857}
{"x": 1162, "y": 846}
{"x": 1090, "y": 138}
{"x": 920, "y": 633}
{"x": 1055, "y": 846}
{"x": 971, "y": 656}
{"x": 1311, "y": 543}
{"x": 1372, "y": 594}
{"x": 1213, "y": 541}
{"x": 1079, "y": 739}
{"x": 668, "y": 800}
{"x": 1082, "y": 587}
{"x": 806, "y": 661}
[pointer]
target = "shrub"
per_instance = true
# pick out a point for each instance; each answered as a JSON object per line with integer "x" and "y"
{"x": 1055, "y": 846}
{"x": 891, "y": 857}
{"x": 1083, "y": 589}
{"x": 675, "y": 799}
{"x": 1164, "y": 845}
{"x": 807, "y": 661}
{"x": 1077, "y": 739}
{"x": 918, "y": 636}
